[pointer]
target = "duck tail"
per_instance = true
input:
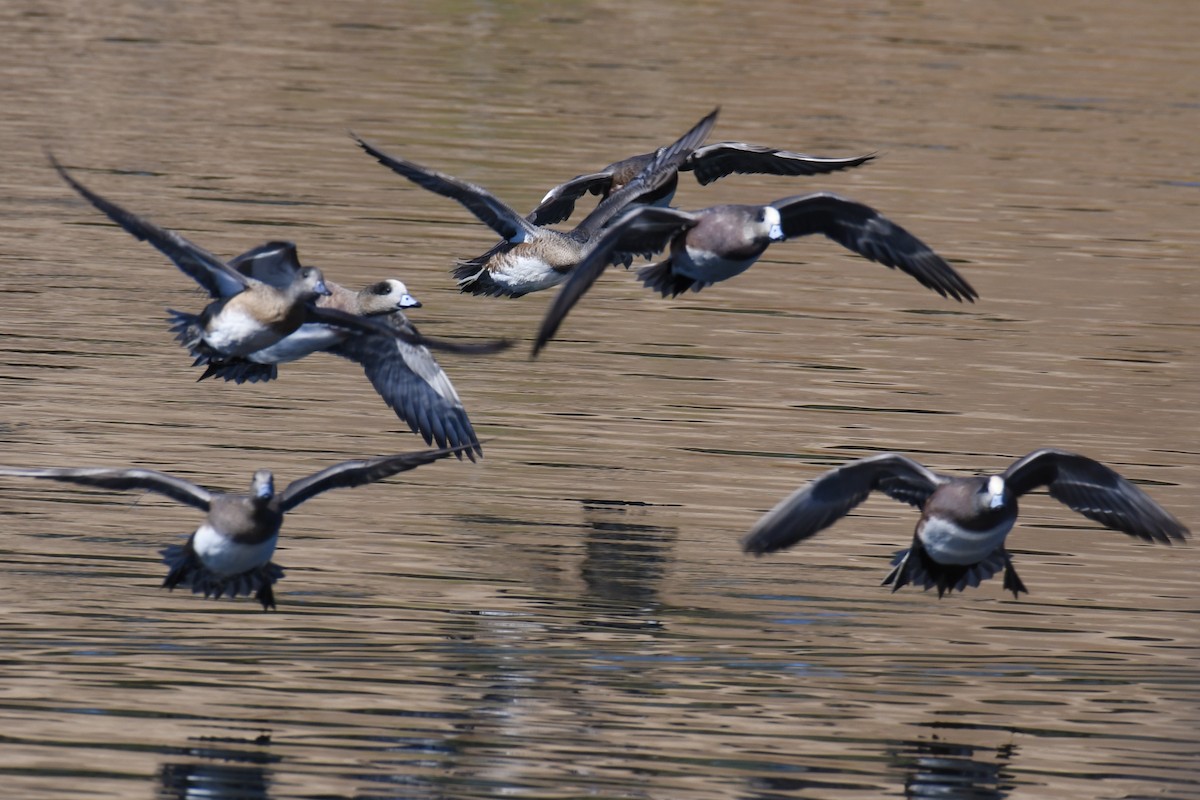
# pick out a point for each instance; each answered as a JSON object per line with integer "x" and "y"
{"x": 181, "y": 563}
{"x": 663, "y": 280}
{"x": 189, "y": 332}
{"x": 474, "y": 277}
{"x": 185, "y": 569}
{"x": 917, "y": 567}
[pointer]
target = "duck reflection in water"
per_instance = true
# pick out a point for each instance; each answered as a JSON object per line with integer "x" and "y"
{"x": 948, "y": 771}
{"x": 227, "y": 772}
{"x": 624, "y": 561}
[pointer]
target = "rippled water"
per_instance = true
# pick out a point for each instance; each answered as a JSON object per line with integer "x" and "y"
{"x": 572, "y": 617}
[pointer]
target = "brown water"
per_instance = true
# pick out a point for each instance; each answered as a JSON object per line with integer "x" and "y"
{"x": 571, "y": 617}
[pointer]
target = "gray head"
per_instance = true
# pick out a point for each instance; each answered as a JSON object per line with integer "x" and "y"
{"x": 385, "y": 297}
{"x": 312, "y": 282}
{"x": 262, "y": 487}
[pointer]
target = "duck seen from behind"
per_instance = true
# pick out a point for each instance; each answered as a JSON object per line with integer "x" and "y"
{"x": 230, "y": 552}
{"x": 708, "y": 163}
{"x": 959, "y": 539}
{"x": 720, "y": 242}
{"x": 533, "y": 257}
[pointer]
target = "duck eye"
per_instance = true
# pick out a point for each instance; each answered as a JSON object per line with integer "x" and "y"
{"x": 381, "y": 288}
{"x": 762, "y": 215}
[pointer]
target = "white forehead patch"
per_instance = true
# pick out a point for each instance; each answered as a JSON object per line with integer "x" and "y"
{"x": 771, "y": 216}
{"x": 995, "y": 487}
{"x": 397, "y": 287}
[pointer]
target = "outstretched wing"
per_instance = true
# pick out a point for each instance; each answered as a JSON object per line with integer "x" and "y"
{"x": 666, "y": 162}
{"x": 559, "y": 202}
{"x": 1096, "y": 491}
{"x": 199, "y": 264}
{"x": 479, "y": 201}
{"x": 719, "y": 159}
{"x": 123, "y": 480}
{"x": 816, "y": 506}
{"x": 862, "y": 229}
{"x": 275, "y": 263}
{"x": 356, "y": 473}
{"x": 414, "y": 385}
{"x": 643, "y": 229}
{"x": 366, "y": 326}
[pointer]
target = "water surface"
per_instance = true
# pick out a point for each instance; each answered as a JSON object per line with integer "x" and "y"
{"x": 572, "y": 617}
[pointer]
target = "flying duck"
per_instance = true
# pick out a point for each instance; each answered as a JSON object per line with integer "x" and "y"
{"x": 719, "y": 242}
{"x": 533, "y": 257}
{"x": 247, "y": 315}
{"x": 404, "y": 373}
{"x": 709, "y": 163}
{"x": 230, "y": 553}
{"x": 959, "y": 539}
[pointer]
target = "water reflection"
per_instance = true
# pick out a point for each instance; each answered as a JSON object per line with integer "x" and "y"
{"x": 234, "y": 774}
{"x": 936, "y": 768}
{"x": 624, "y": 560}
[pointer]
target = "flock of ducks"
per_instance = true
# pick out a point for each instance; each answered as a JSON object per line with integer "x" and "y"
{"x": 268, "y": 309}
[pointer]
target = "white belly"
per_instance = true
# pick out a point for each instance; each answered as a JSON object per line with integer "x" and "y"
{"x": 703, "y": 266}
{"x": 299, "y": 343}
{"x": 523, "y": 274}
{"x": 949, "y": 544}
{"x": 233, "y": 332}
{"x": 225, "y": 557}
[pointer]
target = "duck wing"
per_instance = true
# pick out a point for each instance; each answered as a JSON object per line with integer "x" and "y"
{"x": 559, "y": 202}
{"x": 1095, "y": 491}
{"x": 123, "y": 480}
{"x": 865, "y": 231}
{"x": 661, "y": 168}
{"x": 714, "y": 161}
{"x": 819, "y": 504}
{"x": 643, "y": 229}
{"x": 415, "y": 386}
{"x": 356, "y": 473}
{"x": 490, "y": 210}
{"x": 218, "y": 279}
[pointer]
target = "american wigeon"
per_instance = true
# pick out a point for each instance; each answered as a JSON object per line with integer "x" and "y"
{"x": 247, "y": 314}
{"x": 959, "y": 539}
{"x": 717, "y": 243}
{"x": 405, "y": 375}
{"x": 709, "y": 163}
{"x": 533, "y": 257}
{"x": 230, "y": 553}
{"x": 377, "y": 300}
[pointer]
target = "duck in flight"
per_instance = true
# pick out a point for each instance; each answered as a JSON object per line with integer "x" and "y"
{"x": 719, "y": 242}
{"x": 230, "y": 552}
{"x": 533, "y": 257}
{"x": 405, "y": 374}
{"x": 959, "y": 539}
{"x": 708, "y": 163}
{"x": 247, "y": 315}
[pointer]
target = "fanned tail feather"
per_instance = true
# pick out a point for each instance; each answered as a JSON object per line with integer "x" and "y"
{"x": 915, "y": 566}
{"x": 661, "y": 279}
{"x": 240, "y": 371}
{"x": 187, "y": 570}
{"x": 189, "y": 333}
{"x": 474, "y": 278}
